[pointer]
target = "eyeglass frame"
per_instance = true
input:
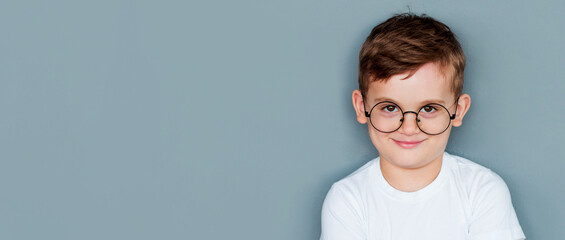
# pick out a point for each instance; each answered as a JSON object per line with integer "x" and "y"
{"x": 451, "y": 116}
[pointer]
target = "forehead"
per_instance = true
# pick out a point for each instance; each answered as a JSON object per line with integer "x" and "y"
{"x": 427, "y": 84}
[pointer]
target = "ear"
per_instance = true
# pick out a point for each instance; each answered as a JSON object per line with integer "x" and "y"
{"x": 359, "y": 106}
{"x": 462, "y": 107}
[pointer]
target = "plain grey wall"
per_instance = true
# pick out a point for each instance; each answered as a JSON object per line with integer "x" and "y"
{"x": 231, "y": 119}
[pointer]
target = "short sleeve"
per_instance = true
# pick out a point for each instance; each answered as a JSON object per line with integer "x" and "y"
{"x": 493, "y": 216}
{"x": 341, "y": 215}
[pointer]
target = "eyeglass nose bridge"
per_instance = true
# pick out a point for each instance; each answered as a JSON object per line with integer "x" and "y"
{"x": 404, "y": 113}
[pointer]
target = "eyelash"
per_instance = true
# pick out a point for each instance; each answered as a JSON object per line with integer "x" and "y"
{"x": 385, "y": 108}
{"x": 428, "y": 106}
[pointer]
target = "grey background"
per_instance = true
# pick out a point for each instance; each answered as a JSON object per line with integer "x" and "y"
{"x": 231, "y": 119}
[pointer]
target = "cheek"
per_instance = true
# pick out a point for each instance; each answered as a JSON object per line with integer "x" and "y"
{"x": 439, "y": 142}
{"x": 378, "y": 138}
{"x": 445, "y": 135}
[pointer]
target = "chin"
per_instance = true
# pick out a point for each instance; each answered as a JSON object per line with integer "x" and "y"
{"x": 408, "y": 162}
{"x": 411, "y": 158}
{"x": 408, "y": 156}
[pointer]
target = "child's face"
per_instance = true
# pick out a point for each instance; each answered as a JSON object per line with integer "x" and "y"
{"x": 409, "y": 147}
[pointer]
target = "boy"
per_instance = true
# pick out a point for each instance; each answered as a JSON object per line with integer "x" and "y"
{"x": 410, "y": 95}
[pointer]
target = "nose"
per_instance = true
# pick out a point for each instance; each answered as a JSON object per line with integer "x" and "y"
{"x": 409, "y": 124}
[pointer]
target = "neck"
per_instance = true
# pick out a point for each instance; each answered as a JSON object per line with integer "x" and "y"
{"x": 410, "y": 179}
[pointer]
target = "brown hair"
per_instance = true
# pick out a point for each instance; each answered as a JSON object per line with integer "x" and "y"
{"x": 405, "y": 42}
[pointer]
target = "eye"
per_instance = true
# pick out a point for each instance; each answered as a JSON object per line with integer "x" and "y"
{"x": 390, "y": 108}
{"x": 428, "y": 109}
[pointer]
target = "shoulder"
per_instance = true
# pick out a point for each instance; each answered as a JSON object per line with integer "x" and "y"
{"x": 350, "y": 191}
{"x": 492, "y": 212}
{"x": 475, "y": 177}
{"x": 360, "y": 176}
{"x": 354, "y": 186}
{"x": 343, "y": 211}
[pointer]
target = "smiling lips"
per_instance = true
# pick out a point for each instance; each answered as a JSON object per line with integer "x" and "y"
{"x": 407, "y": 144}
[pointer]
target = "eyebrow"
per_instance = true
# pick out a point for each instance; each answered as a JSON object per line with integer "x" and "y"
{"x": 381, "y": 99}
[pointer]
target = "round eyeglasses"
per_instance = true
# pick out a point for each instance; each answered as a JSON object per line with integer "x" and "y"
{"x": 432, "y": 118}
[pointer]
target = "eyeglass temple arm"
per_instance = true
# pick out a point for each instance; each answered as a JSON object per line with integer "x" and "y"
{"x": 365, "y": 109}
{"x": 456, "y": 104}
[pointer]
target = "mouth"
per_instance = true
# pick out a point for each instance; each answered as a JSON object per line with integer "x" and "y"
{"x": 407, "y": 144}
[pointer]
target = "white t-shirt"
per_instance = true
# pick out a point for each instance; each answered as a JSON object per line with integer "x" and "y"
{"x": 466, "y": 201}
